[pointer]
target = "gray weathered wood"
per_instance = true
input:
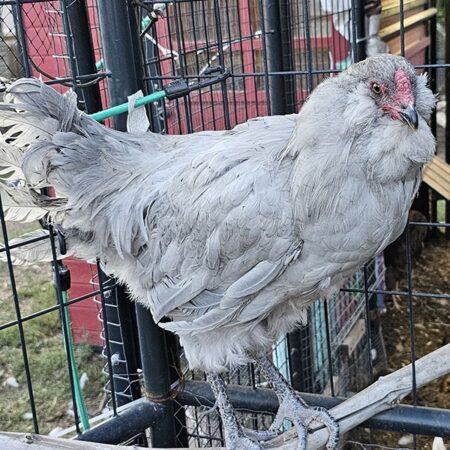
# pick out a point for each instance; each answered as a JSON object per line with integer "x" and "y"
{"x": 24, "y": 441}
{"x": 384, "y": 394}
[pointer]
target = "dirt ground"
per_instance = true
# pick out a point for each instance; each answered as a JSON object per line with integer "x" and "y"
{"x": 432, "y": 330}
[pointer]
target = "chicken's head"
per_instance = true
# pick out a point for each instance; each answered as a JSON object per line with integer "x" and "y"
{"x": 395, "y": 89}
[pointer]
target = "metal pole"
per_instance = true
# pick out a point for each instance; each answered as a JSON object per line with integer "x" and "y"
{"x": 134, "y": 420}
{"x": 18, "y": 22}
{"x": 432, "y": 59}
{"x": 155, "y": 366}
{"x": 360, "y": 23}
{"x": 79, "y": 40}
{"x": 287, "y": 51}
{"x": 447, "y": 109}
{"x": 447, "y": 79}
{"x": 143, "y": 414}
{"x": 119, "y": 58}
{"x": 402, "y": 418}
{"x": 157, "y": 119}
{"x": 273, "y": 42}
{"x": 173, "y": 352}
{"x": 172, "y": 429}
{"x": 135, "y": 26}
{"x": 217, "y": 18}
{"x": 278, "y": 52}
{"x": 118, "y": 51}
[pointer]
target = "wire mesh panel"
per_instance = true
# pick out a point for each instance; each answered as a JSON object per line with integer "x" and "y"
{"x": 277, "y": 52}
{"x": 10, "y": 66}
{"x": 69, "y": 377}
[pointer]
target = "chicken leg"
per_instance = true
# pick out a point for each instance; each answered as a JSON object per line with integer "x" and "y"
{"x": 234, "y": 434}
{"x": 293, "y": 408}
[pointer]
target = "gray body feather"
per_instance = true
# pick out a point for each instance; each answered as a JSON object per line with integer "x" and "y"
{"x": 231, "y": 234}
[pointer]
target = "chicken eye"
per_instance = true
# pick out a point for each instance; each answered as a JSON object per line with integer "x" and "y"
{"x": 376, "y": 88}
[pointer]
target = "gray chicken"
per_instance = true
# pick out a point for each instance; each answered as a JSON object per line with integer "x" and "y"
{"x": 232, "y": 234}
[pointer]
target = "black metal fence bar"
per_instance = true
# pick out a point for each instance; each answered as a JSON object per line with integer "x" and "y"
{"x": 145, "y": 413}
{"x": 18, "y": 19}
{"x": 129, "y": 423}
{"x": 54, "y": 308}
{"x": 400, "y": 293}
{"x": 23, "y": 343}
{"x": 402, "y": 418}
{"x": 81, "y": 53}
{"x": 155, "y": 366}
{"x": 120, "y": 59}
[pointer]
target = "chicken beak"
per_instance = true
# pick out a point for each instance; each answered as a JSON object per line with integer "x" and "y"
{"x": 410, "y": 117}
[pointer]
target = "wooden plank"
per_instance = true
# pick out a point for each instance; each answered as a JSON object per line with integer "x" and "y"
{"x": 444, "y": 166}
{"x": 437, "y": 176}
{"x": 435, "y": 185}
{"x": 24, "y": 441}
{"x": 355, "y": 336}
{"x": 384, "y": 394}
{"x": 29, "y": 441}
{"x": 440, "y": 175}
{"x": 394, "y": 29}
{"x": 392, "y": 7}
{"x": 387, "y": 21}
{"x": 412, "y": 49}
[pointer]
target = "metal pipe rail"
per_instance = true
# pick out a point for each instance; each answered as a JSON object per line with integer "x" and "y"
{"x": 143, "y": 414}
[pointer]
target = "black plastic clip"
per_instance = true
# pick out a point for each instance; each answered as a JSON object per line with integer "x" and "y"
{"x": 63, "y": 274}
{"x": 176, "y": 89}
{"x": 61, "y": 241}
{"x": 181, "y": 88}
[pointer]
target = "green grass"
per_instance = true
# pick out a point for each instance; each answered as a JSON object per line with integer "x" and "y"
{"x": 47, "y": 359}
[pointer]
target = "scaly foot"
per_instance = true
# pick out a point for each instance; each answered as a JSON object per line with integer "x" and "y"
{"x": 235, "y": 437}
{"x": 293, "y": 408}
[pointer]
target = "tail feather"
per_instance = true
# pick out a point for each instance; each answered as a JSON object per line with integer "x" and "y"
{"x": 36, "y": 100}
{"x": 31, "y": 252}
{"x": 10, "y": 162}
{"x": 31, "y": 114}
{"x": 98, "y": 169}
{"x": 18, "y": 204}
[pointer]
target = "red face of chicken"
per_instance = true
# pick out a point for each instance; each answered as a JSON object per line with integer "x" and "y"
{"x": 397, "y": 99}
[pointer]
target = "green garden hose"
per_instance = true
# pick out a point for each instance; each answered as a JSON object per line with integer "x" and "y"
{"x": 82, "y": 410}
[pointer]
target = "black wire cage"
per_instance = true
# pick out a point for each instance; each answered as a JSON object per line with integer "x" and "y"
{"x": 243, "y": 59}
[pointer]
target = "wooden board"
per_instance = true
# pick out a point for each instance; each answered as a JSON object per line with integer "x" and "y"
{"x": 29, "y": 441}
{"x": 392, "y": 7}
{"x": 392, "y": 30}
{"x": 437, "y": 176}
{"x": 411, "y": 49}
